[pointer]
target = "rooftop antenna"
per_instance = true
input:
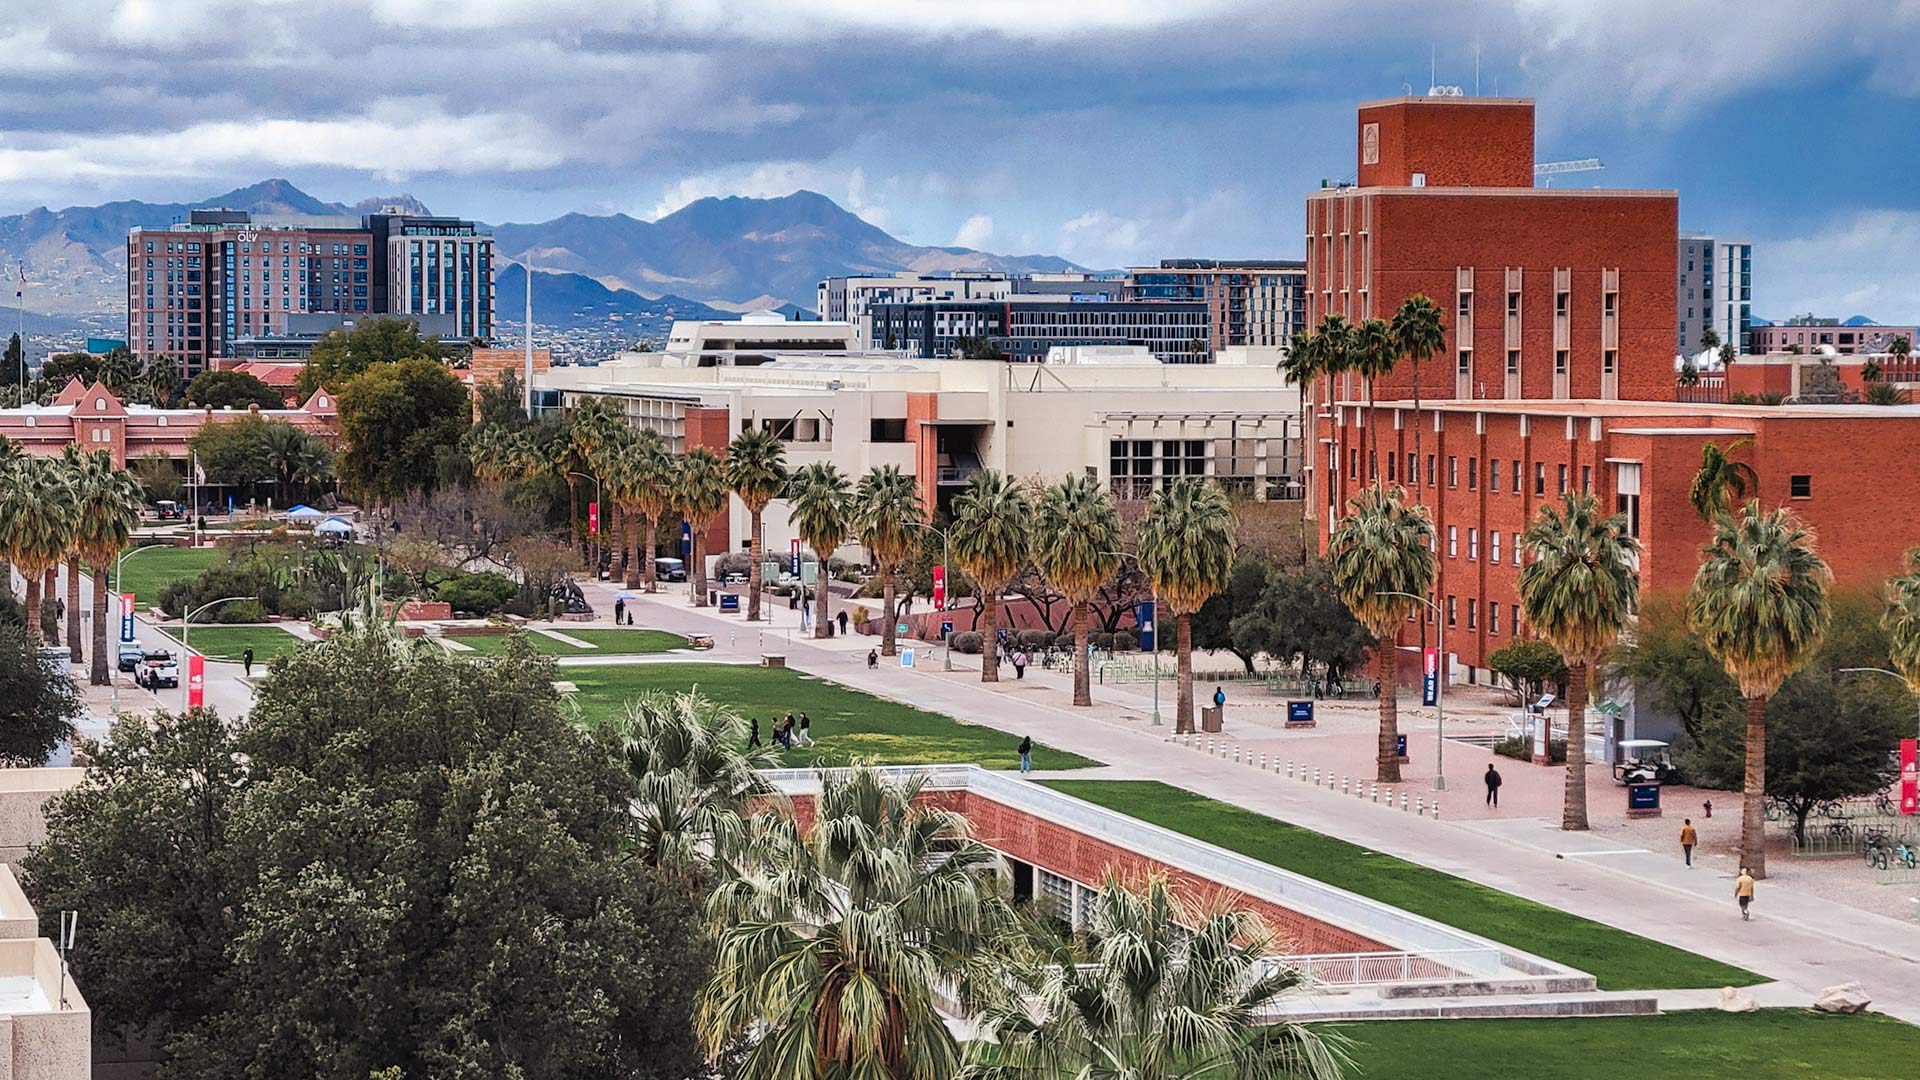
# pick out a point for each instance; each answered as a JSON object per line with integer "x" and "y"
{"x": 69, "y": 922}
{"x": 527, "y": 362}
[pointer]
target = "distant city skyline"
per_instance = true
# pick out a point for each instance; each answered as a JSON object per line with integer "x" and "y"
{"x": 1112, "y": 135}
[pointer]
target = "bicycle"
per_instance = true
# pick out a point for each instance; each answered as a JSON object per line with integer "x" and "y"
{"x": 1879, "y": 851}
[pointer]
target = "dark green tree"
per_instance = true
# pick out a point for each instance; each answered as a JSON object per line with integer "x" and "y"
{"x": 399, "y": 860}
{"x": 1669, "y": 668}
{"x": 1213, "y": 623}
{"x": 1298, "y": 616}
{"x": 501, "y": 404}
{"x": 1530, "y": 664}
{"x": 13, "y": 366}
{"x": 37, "y": 706}
{"x": 343, "y": 354}
{"x": 396, "y": 417}
{"x": 232, "y": 390}
{"x": 61, "y": 368}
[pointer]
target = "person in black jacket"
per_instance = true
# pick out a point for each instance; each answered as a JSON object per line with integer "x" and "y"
{"x": 1026, "y": 753}
{"x": 1493, "y": 786}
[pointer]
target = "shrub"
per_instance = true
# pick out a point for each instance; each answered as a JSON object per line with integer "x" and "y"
{"x": 1522, "y": 749}
{"x": 1063, "y": 640}
{"x": 241, "y": 611}
{"x": 482, "y": 593}
{"x": 1102, "y": 641}
{"x": 1124, "y": 641}
{"x": 966, "y": 641}
{"x": 298, "y": 604}
{"x": 1033, "y": 639}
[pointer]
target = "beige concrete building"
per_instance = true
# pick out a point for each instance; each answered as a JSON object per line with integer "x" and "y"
{"x": 46, "y": 1029}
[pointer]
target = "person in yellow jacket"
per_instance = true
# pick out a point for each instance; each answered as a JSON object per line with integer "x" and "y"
{"x": 1743, "y": 892}
{"x": 1688, "y": 838}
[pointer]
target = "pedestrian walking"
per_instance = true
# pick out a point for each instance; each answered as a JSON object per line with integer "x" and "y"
{"x": 1743, "y": 892}
{"x": 1020, "y": 665}
{"x": 246, "y": 661}
{"x": 619, "y": 612}
{"x": 1026, "y": 753}
{"x": 786, "y": 732}
{"x": 842, "y": 618}
{"x": 753, "y": 734}
{"x": 806, "y": 730}
{"x": 1688, "y": 838}
{"x": 873, "y": 659}
{"x": 1493, "y": 786}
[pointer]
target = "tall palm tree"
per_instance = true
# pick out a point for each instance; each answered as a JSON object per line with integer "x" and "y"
{"x": 1076, "y": 544}
{"x": 10, "y": 455}
{"x": 695, "y": 780}
{"x": 1421, "y": 335}
{"x": 107, "y": 512}
{"x": 756, "y": 471}
{"x": 821, "y": 511}
{"x": 75, "y": 462}
{"x": 1580, "y": 587}
{"x": 296, "y": 459}
{"x": 888, "y": 518}
{"x": 573, "y": 454}
{"x": 1383, "y": 565}
{"x": 1902, "y": 621}
{"x": 1721, "y": 481}
{"x": 1186, "y": 552}
{"x": 1900, "y": 348}
{"x": 1302, "y": 367}
{"x": 36, "y": 525}
{"x": 652, "y": 480}
{"x": 1759, "y": 605}
{"x": 700, "y": 492}
{"x": 1375, "y": 351}
{"x": 992, "y": 520}
{"x": 1160, "y": 988}
{"x": 1335, "y": 340}
{"x": 832, "y": 940}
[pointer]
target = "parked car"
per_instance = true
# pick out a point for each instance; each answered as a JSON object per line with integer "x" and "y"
{"x": 158, "y": 669}
{"x": 127, "y": 657}
{"x": 670, "y": 569}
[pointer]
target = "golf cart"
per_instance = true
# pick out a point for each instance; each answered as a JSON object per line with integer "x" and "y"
{"x": 1643, "y": 761}
{"x": 168, "y": 510}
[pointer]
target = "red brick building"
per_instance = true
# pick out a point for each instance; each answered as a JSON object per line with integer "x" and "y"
{"x": 1558, "y": 372}
{"x": 94, "y": 418}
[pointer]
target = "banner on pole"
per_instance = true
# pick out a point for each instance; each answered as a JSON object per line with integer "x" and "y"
{"x": 939, "y": 588}
{"x": 1143, "y": 617}
{"x": 1430, "y": 682}
{"x": 126, "y": 616}
{"x": 196, "y": 681}
{"x": 1909, "y": 776}
{"x": 593, "y": 519}
{"x": 793, "y": 557}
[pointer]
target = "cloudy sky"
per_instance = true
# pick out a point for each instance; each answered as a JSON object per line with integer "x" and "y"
{"x": 1107, "y": 131}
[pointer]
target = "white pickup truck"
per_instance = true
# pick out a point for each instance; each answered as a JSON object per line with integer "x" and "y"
{"x": 158, "y": 669}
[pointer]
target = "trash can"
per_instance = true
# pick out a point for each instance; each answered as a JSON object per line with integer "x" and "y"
{"x": 713, "y": 597}
{"x": 1211, "y": 717}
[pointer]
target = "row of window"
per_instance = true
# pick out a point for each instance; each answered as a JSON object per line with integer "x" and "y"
{"x": 1495, "y": 473}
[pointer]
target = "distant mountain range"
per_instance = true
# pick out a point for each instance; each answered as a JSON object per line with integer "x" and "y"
{"x": 715, "y": 254}
{"x": 578, "y": 302}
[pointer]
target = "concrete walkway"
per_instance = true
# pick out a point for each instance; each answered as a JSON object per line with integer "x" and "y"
{"x": 1804, "y": 942}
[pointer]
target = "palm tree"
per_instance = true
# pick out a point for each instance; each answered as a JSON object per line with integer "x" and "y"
{"x": 1421, "y": 335}
{"x": 1186, "y": 551}
{"x": 1159, "y": 987}
{"x": 107, "y": 512}
{"x": 574, "y": 453}
{"x": 888, "y": 518}
{"x": 992, "y": 520}
{"x": 1076, "y": 544}
{"x": 1881, "y": 393}
{"x": 1870, "y": 371}
{"x": 694, "y": 778}
{"x": 832, "y": 940}
{"x": 296, "y": 459}
{"x": 756, "y": 471}
{"x": 1709, "y": 340}
{"x": 1721, "y": 481}
{"x": 821, "y": 511}
{"x": 1902, "y": 621}
{"x": 1302, "y": 367}
{"x": 1579, "y": 587}
{"x": 36, "y": 525}
{"x": 652, "y": 479}
{"x": 700, "y": 492}
{"x": 1381, "y": 555}
{"x": 10, "y": 455}
{"x": 1374, "y": 353}
{"x": 1334, "y": 339}
{"x": 75, "y": 463}
{"x": 1759, "y": 605}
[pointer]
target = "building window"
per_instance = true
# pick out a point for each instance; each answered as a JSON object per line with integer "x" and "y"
{"x": 1392, "y": 461}
{"x": 1493, "y": 540}
{"x": 1473, "y": 544}
{"x": 1430, "y": 462}
{"x": 1539, "y": 478}
{"x": 1453, "y": 541}
{"x": 1453, "y": 471}
{"x": 1516, "y": 476}
{"x": 1473, "y": 474}
{"x": 1560, "y": 304}
{"x": 1451, "y": 603}
{"x": 1466, "y": 304}
{"x": 1493, "y": 475}
{"x": 1493, "y": 617}
{"x": 1513, "y": 361}
{"x": 1608, "y": 359}
{"x": 1559, "y": 361}
{"x": 1466, "y": 361}
{"x": 1562, "y": 489}
{"x": 1473, "y": 613}
{"x": 1513, "y": 305}
{"x": 1586, "y": 479}
{"x": 1800, "y": 487}
{"x": 1353, "y": 464}
{"x": 1411, "y": 473}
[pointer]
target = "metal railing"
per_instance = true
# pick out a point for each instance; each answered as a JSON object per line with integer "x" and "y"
{"x": 1374, "y": 968}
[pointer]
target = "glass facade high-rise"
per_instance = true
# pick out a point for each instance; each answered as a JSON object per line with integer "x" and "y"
{"x": 1714, "y": 292}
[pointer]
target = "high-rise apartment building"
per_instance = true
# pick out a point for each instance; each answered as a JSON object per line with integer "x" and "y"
{"x": 1259, "y": 303}
{"x": 195, "y": 287}
{"x": 1715, "y": 292}
{"x": 1026, "y": 326}
{"x": 847, "y": 299}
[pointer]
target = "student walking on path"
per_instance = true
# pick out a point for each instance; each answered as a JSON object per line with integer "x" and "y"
{"x": 806, "y": 730}
{"x": 753, "y": 734}
{"x": 1493, "y": 786}
{"x": 246, "y": 662}
{"x": 1020, "y": 665}
{"x": 1743, "y": 892}
{"x": 1026, "y": 753}
{"x": 1688, "y": 838}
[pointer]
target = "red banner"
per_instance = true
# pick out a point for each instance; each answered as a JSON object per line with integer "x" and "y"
{"x": 939, "y": 588}
{"x": 593, "y": 518}
{"x": 196, "y": 681}
{"x": 1909, "y": 777}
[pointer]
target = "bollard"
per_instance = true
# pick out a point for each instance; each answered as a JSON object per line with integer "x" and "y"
{"x": 1344, "y": 790}
{"x": 1289, "y": 768}
{"x": 1436, "y": 809}
{"x": 1316, "y": 776}
{"x": 1236, "y": 753}
{"x": 1263, "y": 763}
{"x": 1420, "y": 807}
{"x": 1375, "y": 789}
{"x": 1403, "y": 802}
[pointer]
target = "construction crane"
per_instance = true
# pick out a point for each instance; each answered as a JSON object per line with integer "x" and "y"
{"x": 1551, "y": 169}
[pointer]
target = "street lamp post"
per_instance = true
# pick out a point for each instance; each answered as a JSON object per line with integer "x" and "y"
{"x": 119, "y": 561}
{"x": 1877, "y": 671}
{"x": 1439, "y": 688}
{"x": 946, "y": 599}
{"x": 186, "y": 622}
{"x": 593, "y": 544}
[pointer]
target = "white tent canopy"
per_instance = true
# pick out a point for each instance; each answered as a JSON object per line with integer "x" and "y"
{"x": 334, "y": 526}
{"x": 305, "y": 513}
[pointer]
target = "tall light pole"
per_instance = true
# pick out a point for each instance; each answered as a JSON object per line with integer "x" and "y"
{"x": 119, "y": 561}
{"x": 186, "y": 622}
{"x": 1439, "y": 688}
{"x": 946, "y": 594}
{"x": 1877, "y": 671}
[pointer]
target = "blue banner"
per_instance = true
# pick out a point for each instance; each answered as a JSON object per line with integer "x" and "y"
{"x": 686, "y": 543}
{"x": 126, "y": 616}
{"x": 1143, "y": 615}
{"x": 1430, "y": 681}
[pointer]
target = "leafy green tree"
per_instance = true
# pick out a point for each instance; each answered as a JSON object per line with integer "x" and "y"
{"x": 232, "y": 390}
{"x": 890, "y": 522}
{"x": 1721, "y": 481}
{"x": 389, "y": 824}
{"x": 395, "y": 417}
{"x": 1296, "y": 616}
{"x": 232, "y": 452}
{"x": 1667, "y": 664}
{"x": 38, "y": 706}
{"x": 1530, "y": 664}
{"x": 1579, "y": 588}
{"x": 833, "y": 939}
{"x": 1213, "y": 624}
{"x": 1382, "y": 560}
{"x": 700, "y": 493}
{"x": 820, "y": 508}
{"x": 344, "y": 354}
{"x": 1158, "y": 988}
{"x": 979, "y": 347}
{"x": 62, "y": 368}
{"x": 1759, "y": 605}
{"x": 992, "y": 523}
{"x": 1186, "y": 551}
{"x": 1076, "y": 544}
{"x": 501, "y": 403}
{"x": 13, "y": 366}
{"x": 756, "y": 471}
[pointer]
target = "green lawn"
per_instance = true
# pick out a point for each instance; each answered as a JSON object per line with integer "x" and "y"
{"x": 1773, "y": 1044}
{"x": 228, "y": 642}
{"x": 846, "y": 723}
{"x": 145, "y": 574}
{"x": 610, "y": 642}
{"x": 1619, "y": 960}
